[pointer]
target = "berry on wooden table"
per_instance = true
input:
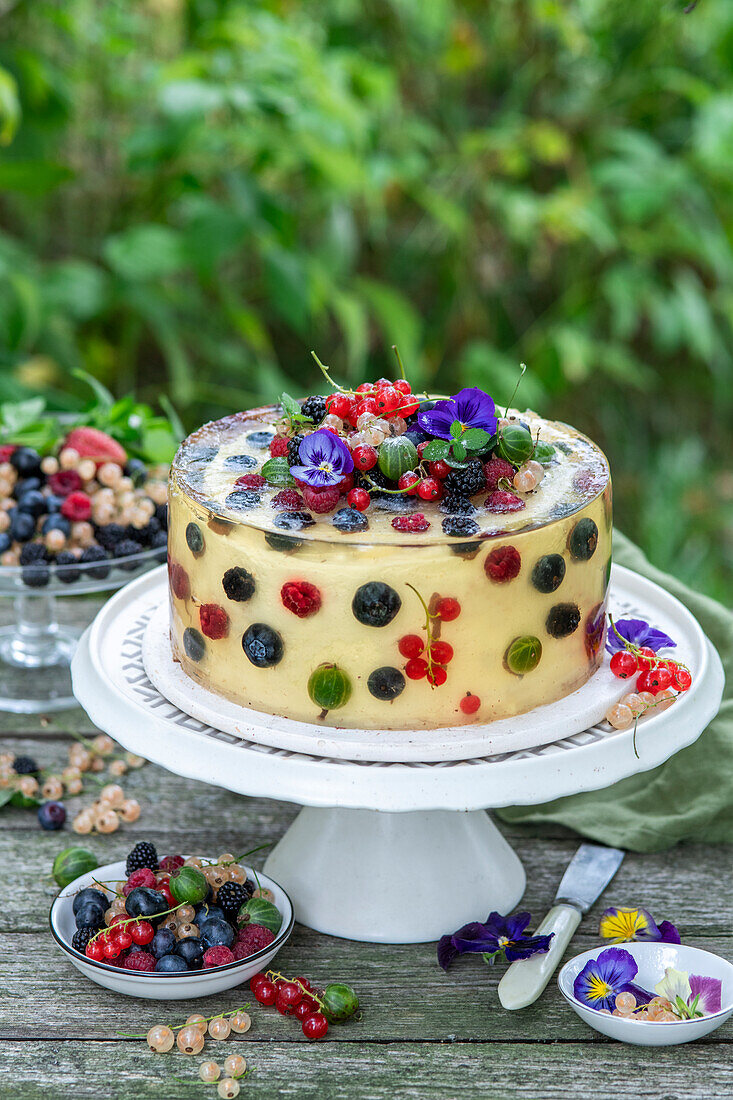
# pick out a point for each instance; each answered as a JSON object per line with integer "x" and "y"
{"x": 315, "y": 1026}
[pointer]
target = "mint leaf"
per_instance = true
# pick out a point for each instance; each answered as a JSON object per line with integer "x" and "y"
{"x": 277, "y": 472}
{"x": 290, "y": 406}
{"x": 435, "y": 450}
{"x": 456, "y": 429}
{"x": 459, "y": 451}
{"x": 18, "y": 415}
{"x": 475, "y": 438}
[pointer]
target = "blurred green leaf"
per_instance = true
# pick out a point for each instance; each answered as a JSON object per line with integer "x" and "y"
{"x": 9, "y": 107}
{"x": 145, "y": 252}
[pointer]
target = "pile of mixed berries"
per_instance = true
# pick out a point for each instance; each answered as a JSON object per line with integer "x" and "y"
{"x": 70, "y": 513}
{"x": 173, "y": 915}
{"x": 659, "y": 681}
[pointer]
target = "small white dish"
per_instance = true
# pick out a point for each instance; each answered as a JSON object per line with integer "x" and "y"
{"x": 652, "y": 959}
{"x": 156, "y": 986}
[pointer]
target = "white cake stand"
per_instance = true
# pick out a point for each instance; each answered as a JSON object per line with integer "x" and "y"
{"x": 385, "y": 851}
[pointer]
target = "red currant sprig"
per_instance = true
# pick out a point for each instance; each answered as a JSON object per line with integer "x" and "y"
{"x": 656, "y": 673}
{"x": 428, "y": 659}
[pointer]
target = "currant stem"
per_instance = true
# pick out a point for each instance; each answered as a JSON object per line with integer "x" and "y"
{"x": 399, "y": 361}
{"x": 426, "y": 628}
{"x": 275, "y": 975}
{"x": 522, "y": 369}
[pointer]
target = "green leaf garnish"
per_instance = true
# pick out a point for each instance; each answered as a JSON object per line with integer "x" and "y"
{"x": 459, "y": 451}
{"x": 277, "y": 472}
{"x": 456, "y": 429}
{"x": 475, "y": 439}
{"x": 436, "y": 450}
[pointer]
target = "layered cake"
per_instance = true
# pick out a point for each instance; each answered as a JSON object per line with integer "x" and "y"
{"x": 377, "y": 560}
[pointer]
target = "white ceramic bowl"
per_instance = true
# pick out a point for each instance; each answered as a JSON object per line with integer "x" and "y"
{"x": 652, "y": 959}
{"x": 162, "y": 987}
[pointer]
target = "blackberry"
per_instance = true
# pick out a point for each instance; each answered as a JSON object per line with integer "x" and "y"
{"x": 142, "y": 855}
{"x": 95, "y": 554}
{"x": 109, "y": 535}
{"x": 231, "y": 897}
{"x": 64, "y": 559}
{"x": 455, "y": 505}
{"x": 457, "y": 526}
{"x": 148, "y": 535}
{"x": 468, "y": 480}
{"x": 126, "y": 549}
{"x": 238, "y": 584}
{"x": 293, "y": 447}
{"x": 314, "y": 408}
{"x": 161, "y": 514}
{"x": 37, "y": 575}
{"x": 24, "y": 765}
{"x": 81, "y": 938}
{"x": 32, "y": 553}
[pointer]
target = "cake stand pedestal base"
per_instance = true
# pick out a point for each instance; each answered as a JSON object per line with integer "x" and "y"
{"x": 365, "y": 874}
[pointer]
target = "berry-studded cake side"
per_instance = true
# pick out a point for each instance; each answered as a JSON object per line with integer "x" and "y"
{"x": 414, "y": 612}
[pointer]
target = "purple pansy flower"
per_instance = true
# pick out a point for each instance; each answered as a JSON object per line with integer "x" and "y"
{"x": 623, "y": 925}
{"x": 709, "y": 990}
{"x": 638, "y": 633}
{"x": 603, "y": 978}
{"x": 498, "y": 936}
{"x": 325, "y": 458}
{"x": 472, "y": 408}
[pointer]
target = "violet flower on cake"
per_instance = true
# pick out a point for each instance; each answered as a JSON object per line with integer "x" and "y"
{"x": 499, "y": 938}
{"x": 637, "y": 632}
{"x": 622, "y": 925}
{"x": 324, "y": 459}
{"x": 471, "y": 408}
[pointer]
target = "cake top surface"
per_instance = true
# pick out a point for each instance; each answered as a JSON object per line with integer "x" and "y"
{"x": 525, "y": 473}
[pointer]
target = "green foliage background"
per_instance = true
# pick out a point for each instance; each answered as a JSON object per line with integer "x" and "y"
{"x": 194, "y": 194}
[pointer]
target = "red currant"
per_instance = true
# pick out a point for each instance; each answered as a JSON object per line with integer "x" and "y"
{"x": 409, "y": 406}
{"x": 411, "y": 645}
{"x": 346, "y": 484}
{"x": 469, "y": 704}
{"x": 290, "y": 993}
{"x": 388, "y": 400}
{"x": 447, "y": 609}
{"x": 255, "y": 980}
{"x": 656, "y": 679}
{"x": 442, "y": 652}
{"x": 339, "y": 405}
{"x": 409, "y": 481}
{"x": 285, "y": 1008}
{"x": 123, "y": 938}
{"x": 367, "y": 405}
{"x": 421, "y": 447}
{"x": 303, "y": 1010}
{"x": 439, "y": 469}
{"x": 164, "y": 889}
{"x": 681, "y": 679}
{"x": 265, "y": 992}
{"x": 111, "y": 949}
{"x": 416, "y": 668}
{"x": 142, "y": 932}
{"x": 365, "y": 387}
{"x": 303, "y": 982}
{"x": 402, "y": 385}
{"x": 646, "y": 658}
{"x": 316, "y": 1026}
{"x": 646, "y": 683}
{"x": 437, "y": 675}
{"x": 624, "y": 664}
{"x": 430, "y": 489}
{"x": 359, "y": 499}
{"x": 94, "y": 950}
{"x": 365, "y": 457}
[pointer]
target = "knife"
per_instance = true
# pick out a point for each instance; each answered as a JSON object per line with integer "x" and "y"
{"x": 586, "y": 877}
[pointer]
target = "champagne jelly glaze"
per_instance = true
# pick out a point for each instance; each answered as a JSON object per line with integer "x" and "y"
{"x": 210, "y": 461}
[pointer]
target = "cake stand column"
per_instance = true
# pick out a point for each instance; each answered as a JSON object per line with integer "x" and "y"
{"x": 35, "y": 654}
{"x": 395, "y": 877}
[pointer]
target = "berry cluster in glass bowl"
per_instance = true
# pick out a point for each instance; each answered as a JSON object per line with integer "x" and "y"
{"x": 174, "y": 915}
{"x": 68, "y": 514}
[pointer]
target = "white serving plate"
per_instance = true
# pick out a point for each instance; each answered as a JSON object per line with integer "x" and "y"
{"x": 652, "y": 959}
{"x": 156, "y": 986}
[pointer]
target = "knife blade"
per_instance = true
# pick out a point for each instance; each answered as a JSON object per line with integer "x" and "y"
{"x": 586, "y": 877}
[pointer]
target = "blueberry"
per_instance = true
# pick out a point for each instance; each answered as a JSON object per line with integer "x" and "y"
{"x": 91, "y": 915}
{"x": 563, "y": 619}
{"x": 33, "y": 502}
{"x": 238, "y": 584}
{"x": 548, "y": 573}
{"x": 216, "y": 933}
{"x": 293, "y": 521}
{"x": 284, "y": 544}
{"x": 95, "y": 554}
{"x": 22, "y": 525}
{"x": 242, "y": 499}
{"x": 416, "y": 435}
{"x": 349, "y": 520}
{"x": 26, "y": 461}
{"x": 263, "y": 645}
{"x": 204, "y": 912}
{"x": 160, "y": 542}
{"x": 192, "y": 951}
{"x": 583, "y": 540}
{"x": 194, "y": 644}
{"x": 161, "y": 514}
{"x": 375, "y": 604}
{"x": 386, "y": 683}
{"x": 51, "y": 816}
{"x": 163, "y": 943}
{"x": 260, "y": 439}
{"x": 86, "y": 896}
{"x": 201, "y": 453}
{"x": 240, "y": 462}
{"x": 26, "y": 485}
{"x": 145, "y": 902}
{"x": 171, "y": 964}
{"x": 53, "y": 503}
{"x": 195, "y": 538}
{"x": 56, "y": 522}
{"x": 426, "y": 405}
{"x": 136, "y": 469}
{"x": 5, "y": 541}
{"x": 67, "y": 570}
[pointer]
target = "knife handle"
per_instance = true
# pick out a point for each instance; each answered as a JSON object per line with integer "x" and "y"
{"x": 526, "y": 978}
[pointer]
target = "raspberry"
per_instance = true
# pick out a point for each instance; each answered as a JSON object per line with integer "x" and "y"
{"x": 64, "y": 482}
{"x": 143, "y": 877}
{"x": 251, "y": 481}
{"x": 140, "y": 960}
{"x": 495, "y": 469}
{"x": 415, "y": 522}
{"x": 214, "y": 620}
{"x": 289, "y": 499}
{"x": 92, "y": 443}
{"x": 321, "y": 500}
{"x": 171, "y": 863}
{"x": 179, "y": 582}
{"x": 503, "y": 564}
{"x": 77, "y": 507}
{"x": 218, "y": 956}
{"x": 251, "y": 938}
{"x": 300, "y": 597}
{"x": 279, "y": 446}
{"x": 6, "y": 451}
{"x": 502, "y": 502}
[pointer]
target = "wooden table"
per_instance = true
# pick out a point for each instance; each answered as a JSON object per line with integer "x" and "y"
{"x": 423, "y": 1033}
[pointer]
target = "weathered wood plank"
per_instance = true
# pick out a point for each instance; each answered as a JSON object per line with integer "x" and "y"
{"x": 342, "y": 1071}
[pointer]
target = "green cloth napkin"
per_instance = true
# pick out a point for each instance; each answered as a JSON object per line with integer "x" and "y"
{"x": 690, "y": 797}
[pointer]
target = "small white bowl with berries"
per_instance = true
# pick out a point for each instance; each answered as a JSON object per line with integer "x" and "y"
{"x": 172, "y": 928}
